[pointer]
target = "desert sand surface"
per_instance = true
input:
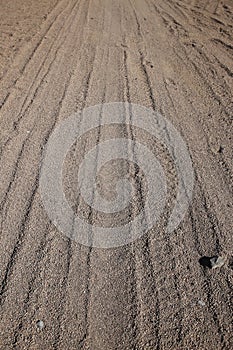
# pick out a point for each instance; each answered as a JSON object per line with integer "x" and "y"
{"x": 60, "y": 57}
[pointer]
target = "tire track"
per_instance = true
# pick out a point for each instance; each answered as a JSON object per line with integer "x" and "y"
{"x": 14, "y": 172}
{"x": 84, "y": 338}
{"x": 84, "y": 342}
{"x": 218, "y": 248}
{"x": 69, "y": 253}
{"x": 40, "y": 254}
{"x": 146, "y": 248}
{"x": 20, "y": 240}
{"x": 20, "y": 116}
{"x": 28, "y": 57}
{"x": 22, "y": 112}
{"x": 135, "y": 298}
{"x": 225, "y": 164}
{"x": 14, "y": 33}
{"x": 45, "y": 140}
{"x": 60, "y": 106}
{"x": 17, "y": 246}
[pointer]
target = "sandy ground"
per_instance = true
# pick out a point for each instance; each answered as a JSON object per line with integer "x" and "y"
{"x": 57, "y": 57}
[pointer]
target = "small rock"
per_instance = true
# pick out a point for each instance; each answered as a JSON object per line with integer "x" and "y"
{"x": 200, "y": 302}
{"x": 40, "y": 325}
{"x": 217, "y": 261}
{"x": 212, "y": 262}
{"x": 217, "y": 149}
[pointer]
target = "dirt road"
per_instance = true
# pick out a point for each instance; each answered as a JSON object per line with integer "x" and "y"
{"x": 58, "y": 57}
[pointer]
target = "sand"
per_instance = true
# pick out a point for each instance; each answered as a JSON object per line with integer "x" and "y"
{"x": 58, "y": 57}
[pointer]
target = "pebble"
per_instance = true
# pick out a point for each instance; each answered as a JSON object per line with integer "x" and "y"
{"x": 218, "y": 149}
{"x": 40, "y": 325}
{"x": 217, "y": 261}
{"x": 200, "y": 302}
